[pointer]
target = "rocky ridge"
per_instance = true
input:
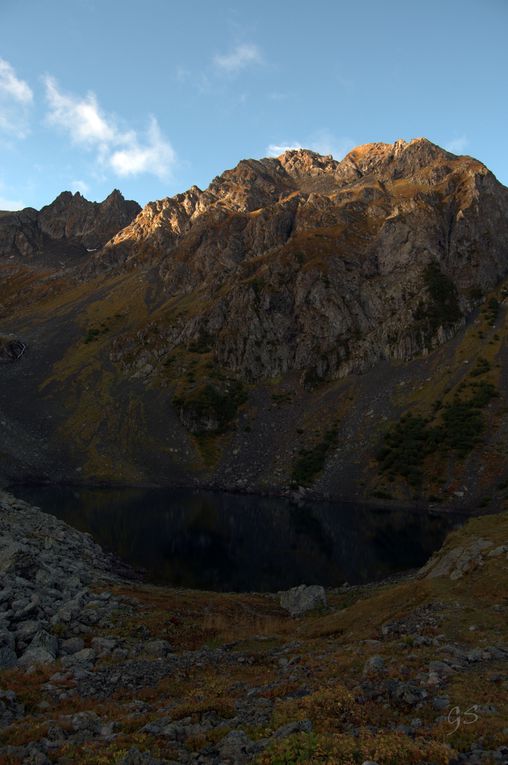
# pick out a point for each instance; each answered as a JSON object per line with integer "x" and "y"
{"x": 305, "y": 263}
{"x": 70, "y": 224}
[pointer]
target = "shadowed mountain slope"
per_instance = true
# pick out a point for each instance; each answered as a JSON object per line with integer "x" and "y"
{"x": 263, "y": 333}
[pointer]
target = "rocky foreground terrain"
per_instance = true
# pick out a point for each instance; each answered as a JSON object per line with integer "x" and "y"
{"x": 97, "y": 668}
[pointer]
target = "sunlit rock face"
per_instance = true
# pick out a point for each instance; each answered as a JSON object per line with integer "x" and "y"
{"x": 322, "y": 266}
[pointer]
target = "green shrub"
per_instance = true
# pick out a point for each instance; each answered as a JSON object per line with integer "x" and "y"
{"x": 211, "y": 402}
{"x": 91, "y": 335}
{"x": 492, "y": 310}
{"x": 482, "y": 366}
{"x": 407, "y": 443}
{"x": 312, "y": 461}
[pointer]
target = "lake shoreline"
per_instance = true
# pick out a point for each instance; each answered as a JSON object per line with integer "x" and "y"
{"x": 294, "y": 496}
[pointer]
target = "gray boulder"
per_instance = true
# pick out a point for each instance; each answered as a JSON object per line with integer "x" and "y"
{"x": 86, "y": 721}
{"x": 235, "y": 748}
{"x": 42, "y": 650}
{"x": 374, "y": 665}
{"x": 157, "y": 648}
{"x": 300, "y": 600}
{"x": 16, "y": 559}
{"x": 8, "y": 657}
{"x": 301, "y": 726}
{"x": 72, "y": 645}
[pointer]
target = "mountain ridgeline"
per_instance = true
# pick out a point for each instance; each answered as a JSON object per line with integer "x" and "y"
{"x": 302, "y": 322}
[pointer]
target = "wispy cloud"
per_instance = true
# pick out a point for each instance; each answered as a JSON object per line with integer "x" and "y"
{"x": 82, "y": 118}
{"x": 457, "y": 145}
{"x": 123, "y": 151}
{"x": 322, "y": 142}
{"x": 276, "y": 149}
{"x": 12, "y": 86}
{"x": 15, "y": 100}
{"x": 156, "y": 156}
{"x": 81, "y": 186}
{"x": 240, "y": 57}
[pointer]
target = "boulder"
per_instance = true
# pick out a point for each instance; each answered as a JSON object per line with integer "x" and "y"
{"x": 374, "y": 665}
{"x": 8, "y": 657}
{"x": 300, "y": 600}
{"x": 157, "y": 648}
{"x": 17, "y": 560}
{"x": 42, "y": 650}
{"x": 235, "y": 748}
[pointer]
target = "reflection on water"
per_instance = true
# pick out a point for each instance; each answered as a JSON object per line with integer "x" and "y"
{"x": 228, "y": 542}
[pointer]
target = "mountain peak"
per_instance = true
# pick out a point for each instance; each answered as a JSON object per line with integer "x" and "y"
{"x": 114, "y": 196}
{"x": 305, "y": 161}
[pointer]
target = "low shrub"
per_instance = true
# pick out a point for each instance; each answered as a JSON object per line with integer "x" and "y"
{"x": 312, "y": 461}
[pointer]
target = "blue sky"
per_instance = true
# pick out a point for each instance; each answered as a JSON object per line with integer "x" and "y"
{"x": 151, "y": 97}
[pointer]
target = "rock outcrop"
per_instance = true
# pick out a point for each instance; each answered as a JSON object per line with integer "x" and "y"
{"x": 11, "y": 348}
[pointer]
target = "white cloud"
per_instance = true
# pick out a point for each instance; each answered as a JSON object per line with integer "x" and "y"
{"x": 81, "y": 117}
{"x": 322, "y": 142}
{"x": 238, "y": 58}
{"x": 457, "y": 145}
{"x": 11, "y": 86}
{"x": 81, "y": 186}
{"x": 15, "y": 101}
{"x": 121, "y": 150}
{"x": 155, "y": 157}
{"x": 276, "y": 149}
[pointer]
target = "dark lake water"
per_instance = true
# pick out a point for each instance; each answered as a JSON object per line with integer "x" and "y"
{"x": 228, "y": 542}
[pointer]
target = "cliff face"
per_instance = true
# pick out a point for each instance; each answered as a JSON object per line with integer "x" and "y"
{"x": 70, "y": 220}
{"x": 265, "y": 331}
{"x": 321, "y": 266}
